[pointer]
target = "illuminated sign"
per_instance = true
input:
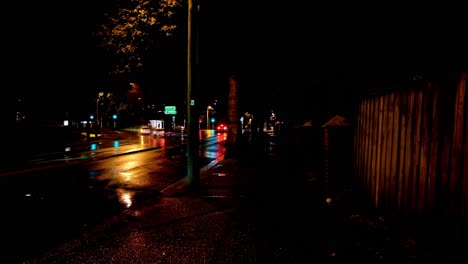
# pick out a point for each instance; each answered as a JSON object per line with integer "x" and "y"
{"x": 170, "y": 110}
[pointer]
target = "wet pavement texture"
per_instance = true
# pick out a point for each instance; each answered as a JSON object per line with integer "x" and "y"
{"x": 266, "y": 204}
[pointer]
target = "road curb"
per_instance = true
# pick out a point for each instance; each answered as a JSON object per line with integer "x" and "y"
{"x": 182, "y": 186}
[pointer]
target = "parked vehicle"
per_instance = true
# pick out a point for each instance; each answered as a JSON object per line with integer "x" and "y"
{"x": 159, "y": 132}
{"x": 145, "y": 130}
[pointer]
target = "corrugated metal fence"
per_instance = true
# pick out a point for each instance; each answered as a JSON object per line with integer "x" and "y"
{"x": 411, "y": 148}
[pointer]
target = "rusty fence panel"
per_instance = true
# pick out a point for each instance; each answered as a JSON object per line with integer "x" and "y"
{"x": 411, "y": 151}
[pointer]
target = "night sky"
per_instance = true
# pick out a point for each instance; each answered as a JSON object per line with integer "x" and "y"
{"x": 303, "y": 59}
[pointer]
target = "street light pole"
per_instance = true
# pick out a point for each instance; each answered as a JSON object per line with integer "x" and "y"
{"x": 100, "y": 94}
{"x": 97, "y": 112}
{"x": 208, "y": 116}
{"x": 193, "y": 173}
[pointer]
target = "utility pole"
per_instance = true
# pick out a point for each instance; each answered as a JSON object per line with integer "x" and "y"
{"x": 193, "y": 172}
{"x": 208, "y": 116}
{"x": 97, "y": 112}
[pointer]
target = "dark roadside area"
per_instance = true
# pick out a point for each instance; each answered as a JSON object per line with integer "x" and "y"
{"x": 268, "y": 203}
{"x": 25, "y": 143}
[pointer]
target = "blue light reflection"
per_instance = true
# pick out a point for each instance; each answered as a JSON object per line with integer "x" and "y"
{"x": 93, "y": 146}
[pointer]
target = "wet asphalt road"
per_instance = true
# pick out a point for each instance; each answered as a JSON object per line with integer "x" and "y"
{"x": 69, "y": 195}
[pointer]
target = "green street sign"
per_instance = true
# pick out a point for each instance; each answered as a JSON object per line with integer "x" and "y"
{"x": 170, "y": 110}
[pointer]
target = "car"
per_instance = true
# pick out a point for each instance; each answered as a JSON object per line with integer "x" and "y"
{"x": 145, "y": 130}
{"x": 179, "y": 129}
{"x": 159, "y": 132}
{"x": 221, "y": 128}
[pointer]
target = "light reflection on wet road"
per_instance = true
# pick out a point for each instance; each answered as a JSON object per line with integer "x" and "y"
{"x": 47, "y": 206}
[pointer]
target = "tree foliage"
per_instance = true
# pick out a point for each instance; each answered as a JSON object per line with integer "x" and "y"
{"x": 130, "y": 30}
